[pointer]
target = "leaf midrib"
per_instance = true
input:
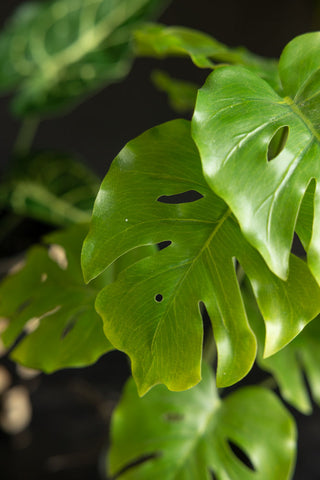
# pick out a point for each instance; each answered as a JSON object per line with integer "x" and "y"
{"x": 191, "y": 265}
{"x": 303, "y": 117}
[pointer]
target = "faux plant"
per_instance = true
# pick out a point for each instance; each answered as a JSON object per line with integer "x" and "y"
{"x": 187, "y": 260}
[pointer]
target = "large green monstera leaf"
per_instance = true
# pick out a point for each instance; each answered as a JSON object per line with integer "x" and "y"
{"x": 190, "y": 435}
{"x": 56, "y": 52}
{"x": 295, "y": 364}
{"x": 260, "y": 152}
{"x": 48, "y": 301}
{"x": 152, "y": 311}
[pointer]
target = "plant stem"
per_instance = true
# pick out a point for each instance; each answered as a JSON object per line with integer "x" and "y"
{"x": 26, "y": 136}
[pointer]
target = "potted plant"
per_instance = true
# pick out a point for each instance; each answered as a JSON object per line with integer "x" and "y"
{"x": 185, "y": 263}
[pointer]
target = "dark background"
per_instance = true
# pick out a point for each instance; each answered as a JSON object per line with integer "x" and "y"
{"x": 68, "y": 436}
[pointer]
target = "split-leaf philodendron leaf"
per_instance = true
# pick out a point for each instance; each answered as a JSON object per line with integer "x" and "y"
{"x": 236, "y": 119}
{"x": 48, "y": 300}
{"x": 295, "y": 364}
{"x": 160, "y": 41}
{"x": 189, "y": 435}
{"x": 152, "y": 311}
{"x": 56, "y": 52}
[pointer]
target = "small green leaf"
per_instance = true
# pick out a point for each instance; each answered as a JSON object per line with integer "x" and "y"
{"x": 50, "y": 187}
{"x": 237, "y": 117}
{"x": 160, "y": 41}
{"x": 48, "y": 300}
{"x": 181, "y": 94}
{"x": 188, "y": 435}
{"x": 301, "y": 356}
{"x": 57, "y": 52}
{"x": 152, "y": 311}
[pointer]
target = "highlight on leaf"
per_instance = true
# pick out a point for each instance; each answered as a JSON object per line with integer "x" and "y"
{"x": 164, "y": 338}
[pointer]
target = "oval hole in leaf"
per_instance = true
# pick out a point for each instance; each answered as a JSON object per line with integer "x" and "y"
{"x": 241, "y": 455}
{"x": 163, "y": 245}
{"x": 68, "y": 328}
{"x": 184, "y": 197}
{"x": 158, "y": 298}
{"x": 297, "y": 247}
{"x": 173, "y": 417}
{"x": 136, "y": 463}
{"x": 277, "y": 143}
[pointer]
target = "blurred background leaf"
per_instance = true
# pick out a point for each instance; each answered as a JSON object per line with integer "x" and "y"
{"x": 181, "y": 94}
{"x": 52, "y": 322}
{"x": 160, "y": 41}
{"x": 194, "y": 434}
{"x": 55, "y": 53}
{"x": 295, "y": 368}
{"x": 50, "y": 187}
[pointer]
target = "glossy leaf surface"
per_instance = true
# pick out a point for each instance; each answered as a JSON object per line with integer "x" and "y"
{"x": 48, "y": 301}
{"x": 50, "y": 187}
{"x": 152, "y": 311}
{"x": 56, "y": 52}
{"x": 186, "y": 435}
{"x": 295, "y": 364}
{"x": 160, "y": 41}
{"x": 236, "y": 118}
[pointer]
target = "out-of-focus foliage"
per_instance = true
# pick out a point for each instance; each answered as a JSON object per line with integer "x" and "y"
{"x": 160, "y": 41}
{"x": 55, "y": 52}
{"x": 181, "y": 94}
{"x": 189, "y": 435}
{"x": 50, "y": 187}
{"x": 48, "y": 302}
{"x": 295, "y": 364}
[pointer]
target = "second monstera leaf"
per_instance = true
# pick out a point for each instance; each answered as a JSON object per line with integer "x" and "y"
{"x": 192, "y": 435}
{"x": 260, "y": 152}
{"x": 152, "y": 311}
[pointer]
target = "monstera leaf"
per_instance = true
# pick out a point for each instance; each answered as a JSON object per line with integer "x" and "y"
{"x": 152, "y": 311}
{"x": 192, "y": 435}
{"x": 296, "y": 362}
{"x": 238, "y": 121}
{"x": 50, "y": 187}
{"x": 160, "y": 41}
{"x": 56, "y": 52}
{"x": 48, "y": 300}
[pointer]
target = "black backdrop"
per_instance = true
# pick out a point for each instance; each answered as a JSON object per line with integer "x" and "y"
{"x": 67, "y": 433}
